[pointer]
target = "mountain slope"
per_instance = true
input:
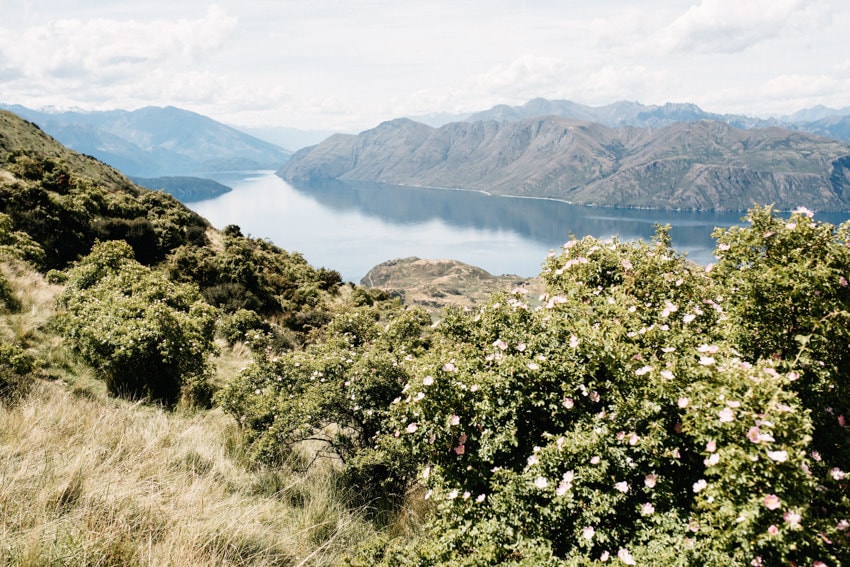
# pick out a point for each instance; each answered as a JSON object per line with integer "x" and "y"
{"x": 699, "y": 165}
{"x": 154, "y": 142}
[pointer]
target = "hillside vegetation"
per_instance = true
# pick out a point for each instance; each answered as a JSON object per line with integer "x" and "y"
{"x": 176, "y": 395}
{"x": 699, "y": 165}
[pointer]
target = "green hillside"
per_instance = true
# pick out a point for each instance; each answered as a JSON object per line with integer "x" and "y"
{"x": 171, "y": 394}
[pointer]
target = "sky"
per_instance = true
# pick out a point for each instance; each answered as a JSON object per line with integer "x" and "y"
{"x": 348, "y": 65}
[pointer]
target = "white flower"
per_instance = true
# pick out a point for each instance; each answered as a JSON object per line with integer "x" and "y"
{"x": 778, "y": 456}
{"x": 622, "y": 486}
{"x": 643, "y": 370}
{"x": 533, "y": 460}
{"x": 412, "y": 427}
{"x": 588, "y": 532}
{"x": 712, "y": 460}
{"x": 647, "y": 509}
{"x": 700, "y": 485}
{"x": 481, "y": 498}
{"x": 804, "y": 211}
{"x": 726, "y": 415}
{"x": 428, "y": 380}
{"x": 706, "y": 360}
{"x": 666, "y": 374}
{"x": 626, "y": 557}
{"x": 688, "y": 318}
{"x": 541, "y": 482}
{"x": 452, "y": 495}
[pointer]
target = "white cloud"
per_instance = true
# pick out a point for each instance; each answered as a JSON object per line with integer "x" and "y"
{"x": 728, "y": 26}
{"x": 103, "y": 51}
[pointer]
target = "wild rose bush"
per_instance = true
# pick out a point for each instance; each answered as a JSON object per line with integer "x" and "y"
{"x": 648, "y": 411}
{"x": 632, "y": 418}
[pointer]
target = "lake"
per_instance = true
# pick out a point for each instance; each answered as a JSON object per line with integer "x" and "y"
{"x": 351, "y": 228}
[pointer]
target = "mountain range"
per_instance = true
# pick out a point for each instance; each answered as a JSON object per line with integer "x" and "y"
{"x": 829, "y": 122}
{"x": 700, "y": 165}
{"x": 155, "y": 142}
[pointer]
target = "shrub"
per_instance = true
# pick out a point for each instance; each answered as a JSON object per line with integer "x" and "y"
{"x": 334, "y": 395}
{"x": 627, "y": 417}
{"x": 16, "y": 367}
{"x": 147, "y": 336}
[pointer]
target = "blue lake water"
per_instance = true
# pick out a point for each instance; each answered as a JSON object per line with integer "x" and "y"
{"x": 353, "y": 228}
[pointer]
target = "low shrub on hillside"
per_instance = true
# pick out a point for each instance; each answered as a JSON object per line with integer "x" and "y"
{"x": 16, "y": 367}
{"x": 333, "y": 398}
{"x": 149, "y": 337}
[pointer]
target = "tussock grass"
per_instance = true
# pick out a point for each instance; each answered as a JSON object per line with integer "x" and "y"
{"x": 106, "y": 482}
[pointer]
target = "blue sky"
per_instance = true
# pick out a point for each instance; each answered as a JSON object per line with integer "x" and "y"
{"x": 348, "y": 65}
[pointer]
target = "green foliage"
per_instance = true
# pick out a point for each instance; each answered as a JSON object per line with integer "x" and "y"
{"x": 16, "y": 367}
{"x": 334, "y": 395}
{"x": 148, "y": 336}
{"x": 62, "y": 214}
{"x": 254, "y": 275}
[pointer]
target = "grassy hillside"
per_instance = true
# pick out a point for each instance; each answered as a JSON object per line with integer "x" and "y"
{"x": 173, "y": 394}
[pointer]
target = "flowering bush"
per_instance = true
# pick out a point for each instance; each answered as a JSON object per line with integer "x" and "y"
{"x": 648, "y": 411}
{"x": 633, "y": 417}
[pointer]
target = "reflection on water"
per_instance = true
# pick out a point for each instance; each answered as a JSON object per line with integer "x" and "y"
{"x": 351, "y": 228}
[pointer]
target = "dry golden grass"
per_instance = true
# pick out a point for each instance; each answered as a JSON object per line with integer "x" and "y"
{"x": 86, "y": 480}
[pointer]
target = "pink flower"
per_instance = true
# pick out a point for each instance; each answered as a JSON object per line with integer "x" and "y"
{"x": 688, "y": 318}
{"x": 792, "y": 518}
{"x": 683, "y": 402}
{"x": 622, "y": 486}
{"x": 773, "y": 530}
{"x": 626, "y": 557}
{"x": 711, "y": 446}
{"x": 588, "y": 532}
{"x": 753, "y": 434}
{"x": 454, "y": 420}
{"x": 726, "y": 415}
{"x": 756, "y": 562}
{"x": 604, "y": 557}
{"x": 460, "y": 449}
{"x": 771, "y": 501}
{"x": 841, "y": 420}
{"x": 647, "y": 509}
{"x": 568, "y": 403}
{"x": 428, "y": 380}
{"x": 837, "y": 474}
{"x": 633, "y": 439}
{"x": 502, "y": 345}
{"x": 452, "y": 495}
{"x": 449, "y": 367}
{"x": 818, "y": 564}
{"x": 710, "y": 349}
{"x": 804, "y": 211}
{"x": 481, "y": 498}
{"x": 520, "y": 347}
{"x": 842, "y": 280}
{"x": 412, "y": 427}
{"x": 650, "y": 480}
{"x": 842, "y": 525}
{"x": 594, "y": 460}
